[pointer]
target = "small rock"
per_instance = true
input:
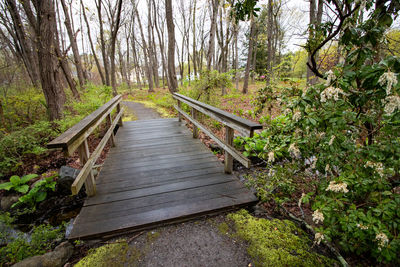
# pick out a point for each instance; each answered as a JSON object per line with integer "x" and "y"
{"x": 67, "y": 176}
{"x": 56, "y": 258}
{"x": 8, "y": 201}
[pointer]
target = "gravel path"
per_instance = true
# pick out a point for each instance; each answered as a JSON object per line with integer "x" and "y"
{"x": 141, "y": 111}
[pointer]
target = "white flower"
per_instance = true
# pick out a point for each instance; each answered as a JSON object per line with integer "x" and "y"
{"x": 294, "y": 151}
{"x": 362, "y": 227}
{"x": 266, "y": 147}
{"x": 327, "y": 168}
{"x": 318, "y": 217}
{"x": 331, "y": 76}
{"x": 337, "y": 187}
{"x": 392, "y": 103}
{"x": 318, "y": 238}
{"x": 388, "y": 78}
{"x": 287, "y": 111}
{"x": 314, "y": 163}
{"x": 382, "y": 240}
{"x": 331, "y": 93}
{"x": 332, "y": 139}
{"x": 271, "y": 156}
{"x": 296, "y": 116}
{"x": 377, "y": 166}
{"x": 320, "y": 135}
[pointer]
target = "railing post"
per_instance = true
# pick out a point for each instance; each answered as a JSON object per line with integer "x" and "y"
{"x": 179, "y": 114}
{"x": 109, "y": 123}
{"x": 195, "y": 129}
{"x": 118, "y": 110}
{"x": 229, "y": 132}
{"x": 84, "y": 154}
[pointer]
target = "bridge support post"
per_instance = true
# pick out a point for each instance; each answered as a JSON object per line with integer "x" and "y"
{"x": 195, "y": 129}
{"x": 84, "y": 154}
{"x": 179, "y": 114}
{"x": 109, "y": 123}
{"x": 120, "y": 119}
{"x": 229, "y": 132}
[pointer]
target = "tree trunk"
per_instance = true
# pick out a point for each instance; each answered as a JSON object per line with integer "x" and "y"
{"x": 161, "y": 43}
{"x": 270, "y": 37}
{"x": 146, "y": 57}
{"x": 103, "y": 44}
{"x": 74, "y": 46}
{"x": 211, "y": 42}
{"x": 249, "y": 56}
{"x": 237, "y": 74}
{"x": 114, "y": 32}
{"x": 173, "y": 84}
{"x": 53, "y": 92}
{"x": 96, "y": 59}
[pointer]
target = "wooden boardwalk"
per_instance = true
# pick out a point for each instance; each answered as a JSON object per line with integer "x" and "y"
{"x": 157, "y": 173}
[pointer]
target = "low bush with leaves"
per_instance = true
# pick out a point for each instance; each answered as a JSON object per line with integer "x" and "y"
{"x": 344, "y": 135}
{"x": 18, "y": 184}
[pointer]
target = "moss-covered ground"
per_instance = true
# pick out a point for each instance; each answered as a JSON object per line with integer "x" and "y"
{"x": 274, "y": 242}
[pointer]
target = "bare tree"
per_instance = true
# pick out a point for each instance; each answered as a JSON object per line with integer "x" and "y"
{"x": 74, "y": 45}
{"x": 249, "y": 55}
{"x": 211, "y": 42}
{"x": 173, "y": 84}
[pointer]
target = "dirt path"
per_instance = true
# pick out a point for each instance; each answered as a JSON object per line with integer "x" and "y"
{"x": 141, "y": 111}
{"x": 195, "y": 243}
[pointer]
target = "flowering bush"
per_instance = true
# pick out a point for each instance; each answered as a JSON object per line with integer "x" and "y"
{"x": 345, "y": 132}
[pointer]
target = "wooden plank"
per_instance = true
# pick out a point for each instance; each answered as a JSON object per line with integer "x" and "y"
{"x": 167, "y": 165}
{"x": 122, "y": 163}
{"x": 147, "y": 203}
{"x": 84, "y": 157}
{"x": 243, "y": 123}
{"x": 149, "y": 146}
{"x": 122, "y": 175}
{"x": 132, "y": 182}
{"x": 239, "y": 157}
{"x": 153, "y": 136}
{"x": 73, "y": 133}
{"x": 105, "y": 198}
{"x": 163, "y": 215}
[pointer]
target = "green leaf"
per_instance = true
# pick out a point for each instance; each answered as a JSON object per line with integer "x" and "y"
{"x": 6, "y": 186}
{"x": 28, "y": 177}
{"x": 41, "y": 196}
{"x": 15, "y": 180}
{"x": 22, "y": 189}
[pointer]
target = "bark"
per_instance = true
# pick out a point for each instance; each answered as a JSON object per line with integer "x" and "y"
{"x": 146, "y": 57}
{"x": 173, "y": 84}
{"x": 74, "y": 46}
{"x": 96, "y": 59}
{"x": 102, "y": 43}
{"x": 315, "y": 19}
{"x": 249, "y": 56}
{"x": 194, "y": 52}
{"x": 237, "y": 74}
{"x": 161, "y": 43}
{"x": 114, "y": 32}
{"x": 54, "y": 94}
{"x": 269, "y": 46}
{"x": 211, "y": 42}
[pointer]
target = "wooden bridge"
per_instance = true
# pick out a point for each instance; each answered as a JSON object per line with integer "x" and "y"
{"x": 156, "y": 172}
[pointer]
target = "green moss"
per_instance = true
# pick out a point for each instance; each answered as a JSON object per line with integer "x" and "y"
{"x": 223, "y": 228}
{"x": 152, "y": 236}
{"x": 276, "y": 242}
{"x": 116, "y": 254}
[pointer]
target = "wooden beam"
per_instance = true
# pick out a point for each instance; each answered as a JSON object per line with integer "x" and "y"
{"x": 75, "y": 132}
{"x": 84, "y": 157}
{"x": 229, "y": 132}
{"x": 195, "y": 129}
{"x": 228, "y": 148}
{"x": 244, "y": 131}
{"x": 88, "y": 165}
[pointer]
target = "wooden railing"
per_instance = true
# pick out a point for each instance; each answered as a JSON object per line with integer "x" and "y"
{"x": 231, "y": 122}
{"x": 75, "y": 138}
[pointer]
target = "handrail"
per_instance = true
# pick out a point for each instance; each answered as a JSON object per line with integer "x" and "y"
{"x": 76, "y": 138}
{"x": 231, "y": 122}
